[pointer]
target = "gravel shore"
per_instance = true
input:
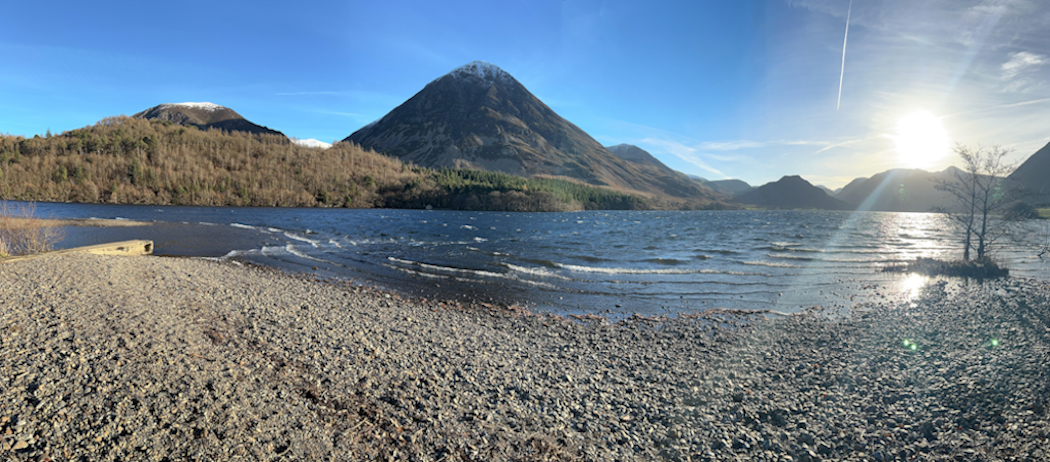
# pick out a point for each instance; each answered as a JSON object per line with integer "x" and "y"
{"x": 150, "y": 358}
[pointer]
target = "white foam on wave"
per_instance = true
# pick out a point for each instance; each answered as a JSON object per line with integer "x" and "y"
{"x": 466, "y": 271}
{"x": 537, "y": 271}
{"x": 242, "y": 226}
{"x": 603, "y": 270}
{"x": 301, "y": 239}
{"x": 292, "y": 250}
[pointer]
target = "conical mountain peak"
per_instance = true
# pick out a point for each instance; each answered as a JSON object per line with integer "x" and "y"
{"x": 480, "y": 117}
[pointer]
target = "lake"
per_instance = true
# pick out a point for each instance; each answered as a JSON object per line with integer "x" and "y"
{"x": 603, "y": 262}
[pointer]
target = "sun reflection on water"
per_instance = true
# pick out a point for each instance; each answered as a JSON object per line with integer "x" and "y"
{"x": 912, "y": 286}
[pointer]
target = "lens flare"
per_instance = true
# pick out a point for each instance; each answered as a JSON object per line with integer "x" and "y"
{"x": 921, "y": 140}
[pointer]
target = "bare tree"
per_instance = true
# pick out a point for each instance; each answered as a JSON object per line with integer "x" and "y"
{"x": 981, "y": 195}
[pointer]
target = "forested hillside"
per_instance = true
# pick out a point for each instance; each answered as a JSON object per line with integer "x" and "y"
{"x": 126, "y": 160}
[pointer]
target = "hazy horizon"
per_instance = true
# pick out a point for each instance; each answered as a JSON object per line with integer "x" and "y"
{"x": 743, "y": 90}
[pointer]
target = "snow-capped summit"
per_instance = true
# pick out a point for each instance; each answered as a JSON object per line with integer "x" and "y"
{"x": 312, "y": 143}
{"x": 205, "y": 106}
{"x": 204, "y": 116}
{"x": 480, "y": 69}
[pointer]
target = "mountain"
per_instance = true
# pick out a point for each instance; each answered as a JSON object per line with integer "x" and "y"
{"x": 791, "y": 192}
{"x": 852, "y": 184}
{"x": 312, "y": 143}
{"x": 697, "y": 178}
{"x": 1034, "y": 175}
{"x": 204, "y": 116}
{"x": 479, "y": 117}
{"x": 829, "y": 191}
{"x": 728, "y": 187}
{"x": 898, "y": 190}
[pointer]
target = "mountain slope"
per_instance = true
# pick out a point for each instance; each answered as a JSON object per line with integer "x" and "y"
{"x": 1034, "y": 175}
{"x": 480, "y": 117}
{"x": 635, "y": 154}
{"x": 728, "y": 187}
{"x": 204, "y": 116}
{"x": 791, "y": 192}
{"x": 898, "y": 190}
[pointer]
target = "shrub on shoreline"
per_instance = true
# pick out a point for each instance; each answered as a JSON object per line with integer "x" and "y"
{"x": 983, "y": 268}
{"x": 21, "y": 234}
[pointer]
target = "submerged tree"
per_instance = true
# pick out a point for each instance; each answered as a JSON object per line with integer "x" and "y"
{"x": 982, "y": 195}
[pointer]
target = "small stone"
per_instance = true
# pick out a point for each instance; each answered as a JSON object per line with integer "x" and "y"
{"x": 20, "y": 445}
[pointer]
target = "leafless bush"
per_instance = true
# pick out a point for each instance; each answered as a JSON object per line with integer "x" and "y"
{"x": 21, "y": 233}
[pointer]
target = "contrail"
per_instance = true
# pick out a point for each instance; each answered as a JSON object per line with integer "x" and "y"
{"x": 843, "y": 71}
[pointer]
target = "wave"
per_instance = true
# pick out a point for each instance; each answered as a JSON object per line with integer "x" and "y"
{"x": 792, "y": 257}
{"x": 537, "y": 271}
{"x": 718, "y": 251}
{"x": 466, "y": 271}
{"x": 450, "y": 269}
{"x": 666, "y": 261}
{"x": 769, "y": 264}
{"x": 301, "y": 239}
{"x": 604, "y": 270}
{"x": 292, "y": 250}
{"x": 242, "y": 226}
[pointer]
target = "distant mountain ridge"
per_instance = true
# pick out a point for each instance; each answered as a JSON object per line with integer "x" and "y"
{"x": 899, "y": 190}
{"x": 479, "y": 117}
{"x": 792, "y": 192}
{"x": 204, "y": 116}
{"x": 1034, "y": 175}
{"x": 729, "y": 187}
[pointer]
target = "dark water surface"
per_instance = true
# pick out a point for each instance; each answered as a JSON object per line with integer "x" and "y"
{"x": 651, "y": 262}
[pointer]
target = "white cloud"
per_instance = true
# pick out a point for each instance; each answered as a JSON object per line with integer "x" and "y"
{"x": 1021, "y": 61}
{"x": 686, "y": 153}
{"x": 745, "y": 144}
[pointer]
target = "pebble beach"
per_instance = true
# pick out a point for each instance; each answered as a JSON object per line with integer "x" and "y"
{"x": 152, "y": 358}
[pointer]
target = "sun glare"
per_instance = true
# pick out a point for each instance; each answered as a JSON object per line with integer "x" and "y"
{"x": 921, "y": 140}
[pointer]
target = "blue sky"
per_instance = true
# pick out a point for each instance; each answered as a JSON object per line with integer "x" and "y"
{"x": 720, "y": 89}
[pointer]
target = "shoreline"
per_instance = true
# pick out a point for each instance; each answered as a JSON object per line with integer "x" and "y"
{"x": 150, "y": 357}
{"x": 77, "y": 222}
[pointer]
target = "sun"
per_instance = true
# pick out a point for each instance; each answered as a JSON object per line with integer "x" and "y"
{"x": 921, "y": 140}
